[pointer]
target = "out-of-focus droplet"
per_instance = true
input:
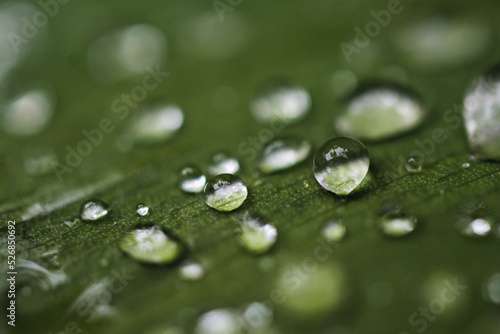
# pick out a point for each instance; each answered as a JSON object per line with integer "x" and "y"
{"x": 283, "y": 102}
{"x": 281, "y": 154}
{"x": 28, "y": 113}
{"x": 40, "y": 161}
{"x": 258, "y": 316}
{"x": 155, "y": 124}
{"x": 132, "y": 51}
{"x": 151, "y": 245}
{"x": 334, "y": 232}
{"x": 380, "y": 111}
{"x": 192, "y": 271}
{"x": 192, "y": 180}
{"x": 482, "y": 115}
{"x": 223, "y": 164}
{"x": 341, "y": 164}
{"x": 492, "y": 289}
{"x": 94, "y": 210}
{"x": 475, "y": 228}
{"x": 414, "y": 164}
{"x": 142, "y": 210}
{"x": 218, "y": 321}
{"x": 397, "y": 226}
{"x": 465, "y": 165}
{"x": 257, "y": 236}
{"x": 225, "y": 192}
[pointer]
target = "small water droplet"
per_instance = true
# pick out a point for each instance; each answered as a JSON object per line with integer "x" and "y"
{"x": 492, "y": 289}
{"x": 225, "y": 192}
{"x": 223, "y": 164}
{"x": 142, "y": 210}
{"x": 192, "y": 272}
{"x": 281, "y": 154}
{"x": 414, "y": 164}
{"x": 151, "y": 245}
{"x": 218, "y": 321}
{"x": 284, "y": 102}
{"x": 482, "y": 115}
{"x": 380, "y": 111}
{"x": 155, "y": 124}
{"x": 192, "y": 180}
{"x": 475, "y": 228}
{"x": 94, "y": 210}
{"x": 334, "y": 232}
{"x": 465, "y": 165}
{"x": 397, "y": 227}
{"x": 305, "y": 184}
{"x": 257, "y": 236}
{"x": 341, "y": 164}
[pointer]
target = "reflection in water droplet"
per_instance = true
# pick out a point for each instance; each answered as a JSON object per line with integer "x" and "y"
{"x": 281, "y": 154}
{"x": 155, "y": 124}
{"x": 492, "y": 289}
{"x": 192, "y": 272}
{"x": 334, "y": 232}
{"x": 93, "y": 210}
{"x": 475, "y": 228}
{"x": 257, "y": 236}
{"x": 413, "y": 164}
{"x": 341, "y": 164}
{"x": 218, "y": 321}
{"x": 40, "y": 161}
{"x": 225, "y": 192}
{"x": 380, "y": 111}
{"x": 134, "y": 50}
{"x": 482, "y": 115}
{"x": 287, "y": 103}
{"x": 151, "y": 245}
{"x": 142, "y": 210}
{"x": 28, "y": 113}
{"x": 192, "y": 180}
{"x": 397, "y": 227}
{"x": 223, "y": 164}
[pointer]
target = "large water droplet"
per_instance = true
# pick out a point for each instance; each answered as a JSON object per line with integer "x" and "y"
{"x": 380, "y": 111}
{"x": 334, "y": 232}
{"x": 142, "y": 210}
{"x": 398, "y": 226}
{"x": 414, "y": 164}
{"x": 482, "y": 115}
{"x": 218, "y": 321}
{"x": 257, "y": 236}
{"x": 475, "y": 228}
{"x": 341, "y": 164}
{"x": 192, "y": 272}
{"x": 223, "y": 164}
{"x": 192, "y": 180}
{"x": 94, "y": 210}
{"x": 287, "y": 103}
{"x": 155, "y": 124}
{"x": 281, "y": 154}
{"x": 151, "y": 245}
{"x": 225, "y": 192}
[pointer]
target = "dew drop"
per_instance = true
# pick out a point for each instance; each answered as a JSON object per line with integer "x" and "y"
{"x": 142, "y": 210}
{"x": 218, "y": 321}
{"x": 465, "y": 165}
{"x": 284, "y": 102}
{"x": 155, "y": 124}
{"x": 475, "y": 228}
{"x": 192, "y": 180}
{"x": 341, "y": 164}
{"x": 413, "y": 164}
{"x": 334, "y": 232}
{"x": 192, "y": 272}
{"x": 225, "y": 192}
{"x": 482, "y": 115}
{"x": 281, "y": 154}
{"x": 397, "y": 227}
{"x": 223, "y": 164}
{"x": 492, "y": 289}
{"x": 256, "y": 236}
{"x": 380, "y": 111}
{"x": 151, "y": 245}
{"x": 94, "y": 210}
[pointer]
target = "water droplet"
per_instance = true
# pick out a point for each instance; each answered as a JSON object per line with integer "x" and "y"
{"x": 192, "y": 180}
{"x": 151, "y": 245}
{"x": 477, "y": 228}
{"x": 397, "y": 227}
{"x": 341, "y": 164}
{"x": 225, "y": 192}
{"x": 218, "y": 321}
{"x": 482, "y": 115}
{"x": 284, "y": 102}
{"x": 94, "y": 210}
{"x": 258, "y": 316}
{"x": 380, "y": 111}
{"x": 142, "y": 210}
{"x": 28, "y": 113}
{"x": 334, "y": 232}
{"x": 192, "y": 272}
{"x": 257, "y": 236}
{"x": 155, "y": 124}
{"x": 40, "y": 161}
{"x": 492, "y": 289}
{"x": 223, "y": 164}
{"x": 413, "y": 164}
{"x": 281, "y": 154}
{"x": 465, "y": 165}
